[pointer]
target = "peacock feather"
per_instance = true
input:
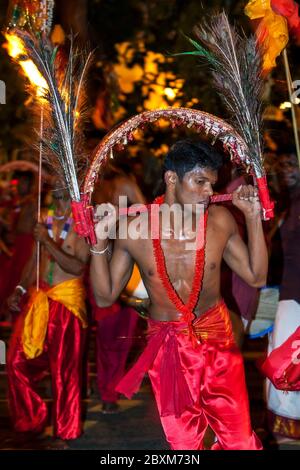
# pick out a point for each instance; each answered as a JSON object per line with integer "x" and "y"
{"x": 63, "y": 104}
{"x": 235, "y": 62}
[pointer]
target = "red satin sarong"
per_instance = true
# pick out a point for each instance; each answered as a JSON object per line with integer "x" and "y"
{"x": 114, "y": 340}
{"x": 196, "y": 386}
{"x": 62, "y": 353}
{"x": 116, "y": 330}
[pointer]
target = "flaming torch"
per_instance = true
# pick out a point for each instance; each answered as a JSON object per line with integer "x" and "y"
{"x": 15, "y": 49}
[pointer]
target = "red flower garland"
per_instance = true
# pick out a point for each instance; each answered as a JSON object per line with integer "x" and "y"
{"x": 185, "y": 309}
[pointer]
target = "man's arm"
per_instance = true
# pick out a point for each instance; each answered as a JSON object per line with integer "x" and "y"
{"x": 108, "y": 275}
{"x": 77, "y": 263}
{"x": 249, "y": 262}
{"x": 71, "y": 264}
{"x": 109, "y": 278}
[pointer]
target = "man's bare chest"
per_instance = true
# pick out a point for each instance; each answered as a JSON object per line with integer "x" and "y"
{"x": 180, "y": 256}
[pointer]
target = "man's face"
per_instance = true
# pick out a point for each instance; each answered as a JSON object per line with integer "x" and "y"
{"x": 288, "y": 169}
{"x": 196, "y": 187}
{"x": 59, "y": 192}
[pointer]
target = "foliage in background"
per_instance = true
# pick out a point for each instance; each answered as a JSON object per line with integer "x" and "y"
{"x": 135, "y": 70}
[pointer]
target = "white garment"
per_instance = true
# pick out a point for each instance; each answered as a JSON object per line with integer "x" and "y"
{"x": 286, "y": 322}
{"x": 264, "y": 319}
{"x": 268, "y": 304}
{"x": 140, "y": 291}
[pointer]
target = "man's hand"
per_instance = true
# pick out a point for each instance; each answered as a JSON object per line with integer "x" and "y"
{"x": 247, "y": 200}
{"x": 40, "y": 233}
{"x": 13, "y": 301}
{"x": 106, "y": 218}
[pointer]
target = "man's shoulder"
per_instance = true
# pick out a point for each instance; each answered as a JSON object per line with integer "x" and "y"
{"x": 123, "y": 182}
{"x": 134, "y": 231}
{"x": 221, "y": 219}
{"x": 220, "y": 213}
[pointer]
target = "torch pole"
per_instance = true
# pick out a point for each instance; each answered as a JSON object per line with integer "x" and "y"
{"x": 38, "y": 248}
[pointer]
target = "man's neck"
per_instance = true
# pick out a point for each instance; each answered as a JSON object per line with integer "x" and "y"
{"x": 191, "y": 221}
{"x": 61, "y": 208}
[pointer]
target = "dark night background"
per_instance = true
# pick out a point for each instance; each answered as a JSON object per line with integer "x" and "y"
{"x": 146, "y": 34}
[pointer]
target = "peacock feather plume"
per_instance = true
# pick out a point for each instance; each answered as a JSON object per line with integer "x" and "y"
{"x": 64, "y": 106}
{"x": 236, "y": 65}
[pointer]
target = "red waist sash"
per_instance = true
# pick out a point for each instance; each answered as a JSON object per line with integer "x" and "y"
{"x": 213, "y": 326}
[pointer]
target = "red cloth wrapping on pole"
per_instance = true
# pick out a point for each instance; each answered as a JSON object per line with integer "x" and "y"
{"x": 83, "y": 219}
{"x": 83, "y": 211}
{"x": 267, "y": 204}
{"x": 264, "y": 196}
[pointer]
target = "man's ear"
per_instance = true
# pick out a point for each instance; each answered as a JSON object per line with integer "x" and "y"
{"x": 170, "y": 178}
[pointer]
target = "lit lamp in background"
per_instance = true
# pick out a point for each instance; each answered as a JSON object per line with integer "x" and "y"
{"x": 288, "y": 104}
{"x": 170, "y": 93}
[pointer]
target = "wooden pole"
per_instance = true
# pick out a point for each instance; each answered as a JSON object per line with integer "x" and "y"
{"x": 38, "y": 252}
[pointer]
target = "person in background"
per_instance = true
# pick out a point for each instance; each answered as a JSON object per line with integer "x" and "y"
{"x": 284, "y": 408}
{"x": 50, "y": 330}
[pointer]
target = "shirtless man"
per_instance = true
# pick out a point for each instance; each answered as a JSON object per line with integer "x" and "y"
{"x": 195, "y": 385}
{"x": 284, "y": 408}
{"x": 50, "y": 331}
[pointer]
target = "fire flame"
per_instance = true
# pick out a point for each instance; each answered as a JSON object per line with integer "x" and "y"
{"x": 15, "y": 49}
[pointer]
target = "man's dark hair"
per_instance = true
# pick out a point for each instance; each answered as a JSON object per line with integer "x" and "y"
{"x": 185, "y": 155}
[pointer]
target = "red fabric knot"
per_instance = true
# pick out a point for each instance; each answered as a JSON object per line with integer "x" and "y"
{"x": 175, "y": 393}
